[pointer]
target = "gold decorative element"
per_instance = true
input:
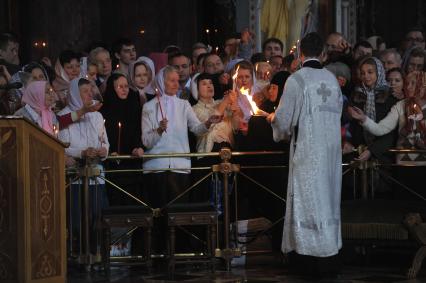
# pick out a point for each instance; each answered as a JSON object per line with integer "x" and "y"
{"x": 46, "y": 267}
{"x": 45, "y": 206}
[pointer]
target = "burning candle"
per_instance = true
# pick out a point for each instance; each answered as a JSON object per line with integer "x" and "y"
{"x": 217, "y": 49}
{"x": 254, "y": 109}
{"x": 117, "y": 66}
{"x": 234, "y": 79}
{"x": 298, "y": 49}
{"x": 119, "y": 138}
{"x": 208, "y": 36}
{"x": 55, "y": 131}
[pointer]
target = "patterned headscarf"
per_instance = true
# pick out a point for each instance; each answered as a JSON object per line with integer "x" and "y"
{"x": 381, "y": 84}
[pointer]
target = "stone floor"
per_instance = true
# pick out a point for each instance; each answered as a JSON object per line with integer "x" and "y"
{"x": 385, "y": 268}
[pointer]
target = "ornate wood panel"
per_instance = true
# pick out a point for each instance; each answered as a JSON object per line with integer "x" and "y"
{"x": 45, "y": 229}
{"x": 8, "y": 199}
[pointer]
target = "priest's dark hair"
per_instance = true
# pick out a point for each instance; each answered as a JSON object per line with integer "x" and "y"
{"x": 312, "y": 45}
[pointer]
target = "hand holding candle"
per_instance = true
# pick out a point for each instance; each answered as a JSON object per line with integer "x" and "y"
{"x": 162, "y": 127}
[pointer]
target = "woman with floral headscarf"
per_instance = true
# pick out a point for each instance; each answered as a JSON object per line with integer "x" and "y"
{"x": 372, "y": 95}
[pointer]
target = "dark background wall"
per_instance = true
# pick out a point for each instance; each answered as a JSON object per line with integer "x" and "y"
{"x": 79, "y": 24}
{"x": 390, "y": 18}
{"x": 82, "y": 24}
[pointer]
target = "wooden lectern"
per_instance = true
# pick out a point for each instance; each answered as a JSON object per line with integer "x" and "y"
{"x": 32, "y": 204}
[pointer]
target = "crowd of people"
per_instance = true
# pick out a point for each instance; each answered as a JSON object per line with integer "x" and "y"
{"x": 113, "y": 102}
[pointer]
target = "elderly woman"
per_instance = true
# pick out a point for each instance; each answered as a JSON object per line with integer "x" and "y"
{"x": 39, "y": 99}
{"x": 88, "y": 141}
{"x": 165, "y": 123}
{"x": 220, "y": 134}
{"x": 122, "y": 114}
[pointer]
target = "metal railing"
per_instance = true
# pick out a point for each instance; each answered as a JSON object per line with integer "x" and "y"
{"x": 224, "y": 167}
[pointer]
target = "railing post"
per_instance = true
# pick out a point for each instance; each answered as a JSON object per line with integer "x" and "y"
{"x": 86, "y": 257}
{"x": 225, "y": 167}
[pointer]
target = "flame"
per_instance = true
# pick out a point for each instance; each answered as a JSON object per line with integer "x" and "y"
{"x": 254, "y": 109}
{"x": 234, "y": 77}
{"x": 119, "y": 125}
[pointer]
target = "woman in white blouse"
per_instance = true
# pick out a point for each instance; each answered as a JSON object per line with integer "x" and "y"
{"x": 220, "y": 134}
{"x": 165, "y": 123}
{"x": 88, "y": 142}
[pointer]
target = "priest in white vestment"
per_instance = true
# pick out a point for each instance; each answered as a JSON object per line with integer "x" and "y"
{"x": 309, "y": 113}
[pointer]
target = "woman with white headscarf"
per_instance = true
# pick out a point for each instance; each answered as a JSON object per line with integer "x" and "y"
{"x": 165, "y": 123}
{"x": 141, "y": 74}
{"x": 88, "y": 141}
{"x": 87, "y": 137}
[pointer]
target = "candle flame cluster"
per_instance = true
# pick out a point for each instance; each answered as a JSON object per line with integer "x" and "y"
{"x": 40, "y": 44}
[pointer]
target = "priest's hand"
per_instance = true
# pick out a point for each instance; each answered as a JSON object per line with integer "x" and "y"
{"x": 364, "y": 156}
{"x": 270, "y": 118}
{"x": 356, "y": 113}
{"x": 137, "y": 152}
{"x": 162, "y": 127}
